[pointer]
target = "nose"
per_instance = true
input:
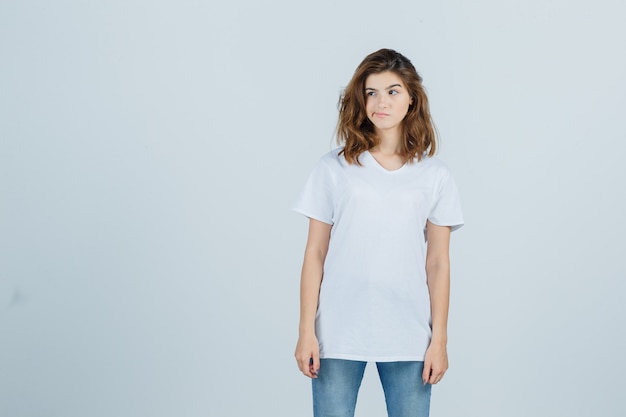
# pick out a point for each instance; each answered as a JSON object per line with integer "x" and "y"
{"x": 382, "y": 101}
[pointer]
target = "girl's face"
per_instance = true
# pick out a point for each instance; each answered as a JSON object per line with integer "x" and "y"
{"x": 387, "y": 101}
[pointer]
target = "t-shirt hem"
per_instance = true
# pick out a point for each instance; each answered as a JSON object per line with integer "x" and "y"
{"x": 373, "y": 358}
{"x": 312, "y": 216}
{"x": 454, "y": 225}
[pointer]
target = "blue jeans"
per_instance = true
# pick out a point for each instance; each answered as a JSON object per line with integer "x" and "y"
{"x": 337, "y": 385}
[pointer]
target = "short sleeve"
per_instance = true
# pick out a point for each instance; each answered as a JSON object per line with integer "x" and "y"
{"x": 316, "y": 198}
{"x": 446, "y": 210}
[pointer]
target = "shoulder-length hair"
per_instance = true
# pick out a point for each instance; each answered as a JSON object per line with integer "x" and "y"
{"x": 354, "y": 129}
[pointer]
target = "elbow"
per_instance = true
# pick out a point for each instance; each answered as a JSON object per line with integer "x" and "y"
{"x": 437, "y": 262}
{"x": 437, "y": 267}
{"x": 316, "y": 254}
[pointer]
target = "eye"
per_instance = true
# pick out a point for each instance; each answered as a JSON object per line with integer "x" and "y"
{"x": 370, "y": 93}
{"x": 393, "y": 92}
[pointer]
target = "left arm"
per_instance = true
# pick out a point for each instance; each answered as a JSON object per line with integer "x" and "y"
{"x": 438, "y": 278}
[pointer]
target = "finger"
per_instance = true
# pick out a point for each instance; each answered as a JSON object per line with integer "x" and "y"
{"x": 307, "y": 372}
{"x": 315, "y": 363}
{"x": 312, "y": 372}
{"x": 303, "y": 365}
{"x": 309, "y": 368}
{"x": 426, "y": 374}
{"x": 306, "y": 367}
{"x": 436, "y": 377}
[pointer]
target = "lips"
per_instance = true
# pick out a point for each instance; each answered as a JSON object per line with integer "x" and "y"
{"x": 377, "y": 114}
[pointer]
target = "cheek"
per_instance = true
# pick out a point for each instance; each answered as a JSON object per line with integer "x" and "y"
{"x": 406, "y": 107}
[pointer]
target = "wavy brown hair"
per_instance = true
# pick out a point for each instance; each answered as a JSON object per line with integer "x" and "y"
{"x": 354, "y": 129}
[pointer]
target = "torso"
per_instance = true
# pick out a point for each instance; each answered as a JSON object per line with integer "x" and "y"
{"x": 374, "y": 288}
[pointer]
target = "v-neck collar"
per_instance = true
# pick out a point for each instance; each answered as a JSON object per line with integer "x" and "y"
{"x": 382, "y": 168}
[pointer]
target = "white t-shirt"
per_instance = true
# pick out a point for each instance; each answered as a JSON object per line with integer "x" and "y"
{"x": 374, "y": 303}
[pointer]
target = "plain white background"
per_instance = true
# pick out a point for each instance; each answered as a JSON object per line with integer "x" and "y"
{"x": 150, "y": 152}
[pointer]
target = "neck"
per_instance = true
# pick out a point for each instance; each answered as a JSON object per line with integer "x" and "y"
{"x": 389, "y": 142}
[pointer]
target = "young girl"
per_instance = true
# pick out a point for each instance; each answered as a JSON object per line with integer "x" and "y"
{"x": 376, "y": 272}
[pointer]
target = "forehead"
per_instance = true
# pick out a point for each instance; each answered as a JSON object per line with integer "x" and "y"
{"x": 383, "y": 80}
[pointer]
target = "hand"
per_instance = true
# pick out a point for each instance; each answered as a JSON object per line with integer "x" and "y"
{"x": 435, "y": 363}
{"x": 308, "y": 355}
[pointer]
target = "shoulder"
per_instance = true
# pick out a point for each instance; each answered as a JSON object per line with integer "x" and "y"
{"x": 333, "y": 160}
{"x": 328, "y": 167}
{"x": 333, "y": 156}
{"x": 435, "y": 165}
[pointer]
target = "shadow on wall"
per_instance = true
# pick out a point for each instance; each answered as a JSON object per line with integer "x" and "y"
{"x": 10, "y": 296}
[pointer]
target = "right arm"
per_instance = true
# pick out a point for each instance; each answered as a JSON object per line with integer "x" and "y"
{"x": 310, "y": 282}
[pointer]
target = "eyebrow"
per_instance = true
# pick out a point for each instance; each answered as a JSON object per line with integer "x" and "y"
{"x": 388, "y": 88}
